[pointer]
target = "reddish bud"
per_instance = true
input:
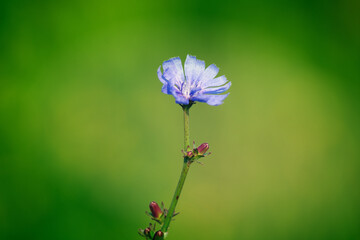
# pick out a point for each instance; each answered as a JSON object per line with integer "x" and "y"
{"x": 155, "y": 210}
{"x": 158, "y": 235}
{"x": 202, "y": 149}
{"x": 147, "y": 231}
{"x": 189, "y": 154}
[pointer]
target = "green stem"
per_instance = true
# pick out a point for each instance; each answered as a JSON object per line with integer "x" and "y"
{"x": 186, "y": 127}
{"x": 184, "y": 171}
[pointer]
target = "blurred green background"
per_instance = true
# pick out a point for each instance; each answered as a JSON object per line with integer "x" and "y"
{"x": 87, "y": 139}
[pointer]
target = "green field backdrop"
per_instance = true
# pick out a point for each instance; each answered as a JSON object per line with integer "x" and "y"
{"x": 87, "y": 139}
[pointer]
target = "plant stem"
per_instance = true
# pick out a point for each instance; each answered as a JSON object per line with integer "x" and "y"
{"x": 184, "y": 171}
{"x": 186, "y": 127}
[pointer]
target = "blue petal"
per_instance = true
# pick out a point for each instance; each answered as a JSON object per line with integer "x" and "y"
{"x": 209, "y": 73}
{"x": 173, "y": 71}
{"x": 215, "y": 100}
{"x": 217, "y": 90}
{"x": 214, "y": 82}
{"x": 194, "y": 90}
{"x": 180, "y": 99}
{"x": 164, "y": 88}
{"x": 200, "y": 98}
{"x": 160, "y": 76}
{"x": 193, "y": 68}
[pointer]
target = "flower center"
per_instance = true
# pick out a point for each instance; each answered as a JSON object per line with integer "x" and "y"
{"x": 186, "y": 89}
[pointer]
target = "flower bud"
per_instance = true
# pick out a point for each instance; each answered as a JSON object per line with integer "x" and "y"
{"x": 158, "y": 235}
{"x": 202, "y": 149}
{"x": 147, "y": 231}
{"x": 155, "y": 210}
{"x": 189, "y": 154}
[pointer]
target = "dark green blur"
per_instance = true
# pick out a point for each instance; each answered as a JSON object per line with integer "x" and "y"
{"x": 87, "y": 139}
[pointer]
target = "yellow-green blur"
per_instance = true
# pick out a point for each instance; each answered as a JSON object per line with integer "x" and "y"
{"x": 87, "y": 139}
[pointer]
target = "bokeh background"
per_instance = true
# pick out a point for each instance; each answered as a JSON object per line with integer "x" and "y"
{"x": 87, "y": 139}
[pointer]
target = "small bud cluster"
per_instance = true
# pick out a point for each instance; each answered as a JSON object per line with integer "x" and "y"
{"x": 148, "y": 232}
{"x": 196, "y": 153}
{"x": 158, "y": 214}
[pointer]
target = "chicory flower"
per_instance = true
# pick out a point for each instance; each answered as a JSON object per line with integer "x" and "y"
{"x": 197, "y": 85}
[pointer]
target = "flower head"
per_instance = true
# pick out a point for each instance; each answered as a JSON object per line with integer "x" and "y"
{"x": 197, "y": 85}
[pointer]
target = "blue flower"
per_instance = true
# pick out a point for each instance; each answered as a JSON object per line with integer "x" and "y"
{"x": 198, "y": 84}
